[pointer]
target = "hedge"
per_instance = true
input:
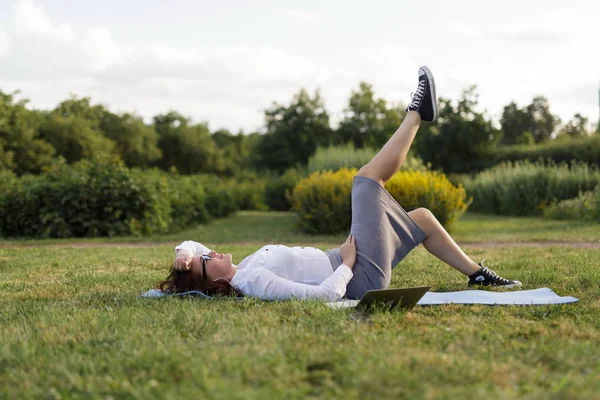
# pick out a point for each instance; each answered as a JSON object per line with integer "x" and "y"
{"x": 91, "y": 199}
{"x": 525, "y": 188}
{"x": 323, "y": 199}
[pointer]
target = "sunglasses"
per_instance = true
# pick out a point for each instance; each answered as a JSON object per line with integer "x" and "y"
{"x": 204, "y": 258}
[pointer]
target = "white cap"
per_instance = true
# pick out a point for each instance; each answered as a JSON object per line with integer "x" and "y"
{"x": 195, "y": 247}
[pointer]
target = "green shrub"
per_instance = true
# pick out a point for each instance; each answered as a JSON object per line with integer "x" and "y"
{"x": 248, "y": 195}
{"x": 278, "y": 189}
{"x": 323, "y": 199}
{"x": 85, "y": 200}
{"x": 189, "y": 205}
{"x": 219, "y": 202}
{"x": 246, "y": 191}
{"x": 553, "y": 152}
{"x": 335, "y": 158}
{"x": 585, "y": 207}
{"x": 523, "y": 188}
{"x": 91, "y": 199}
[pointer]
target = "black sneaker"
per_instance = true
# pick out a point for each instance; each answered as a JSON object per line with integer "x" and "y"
{"x": 424, "y": 100}
{"x": 487, "y": 277}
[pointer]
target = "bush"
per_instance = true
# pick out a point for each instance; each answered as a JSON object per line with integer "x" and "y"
{"x": 106, "y": 199}
{"x": 524, "y": 188}
{"x": 278, "y": 189}
{"x": 189, "y": 205}
{"x": 432, "y": 190}
{"x": 219, "y": 202}
{"x": 322, "y": 200}
{"x": 337, "y": 157}
{"x": 553, "y": 152}
{"x": 85, "y": 200}
{"x": 585, "y": 207}
{"x": 248, "y": 195}
{"x": 246, "y": 192}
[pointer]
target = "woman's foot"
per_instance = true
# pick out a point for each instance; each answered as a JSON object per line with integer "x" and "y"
{"x": 424, "y": 100}
{"x": 487, "y": 277}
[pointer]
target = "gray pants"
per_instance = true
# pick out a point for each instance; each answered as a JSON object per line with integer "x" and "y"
{"x": 384, "y": 233}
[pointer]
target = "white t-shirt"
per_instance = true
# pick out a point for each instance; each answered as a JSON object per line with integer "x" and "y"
{"x": 278, "y": 272}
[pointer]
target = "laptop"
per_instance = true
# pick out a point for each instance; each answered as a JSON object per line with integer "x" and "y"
{"x": 385, "y": 299}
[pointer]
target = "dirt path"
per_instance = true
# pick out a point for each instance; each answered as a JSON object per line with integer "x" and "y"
{"x": 576, "y": 245}
{"x": 486, "y": 244}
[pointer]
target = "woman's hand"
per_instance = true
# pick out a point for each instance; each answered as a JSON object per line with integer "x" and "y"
{"x": 348, "y": 251}
{"x": 183, "y": 261}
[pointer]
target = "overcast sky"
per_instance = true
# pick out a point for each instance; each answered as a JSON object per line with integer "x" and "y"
{"x": 226, "y": 61}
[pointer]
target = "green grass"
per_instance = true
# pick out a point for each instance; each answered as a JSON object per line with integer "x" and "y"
{"x": 72, "y": 326}
{"x": 259, "y": 227}
{"x": 475, "y": 227}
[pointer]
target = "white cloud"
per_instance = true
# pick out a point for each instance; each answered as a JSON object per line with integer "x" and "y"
{"x": 304, "y": 16}
{"x": 226, "y": 85}
{"x": 30, "y": 18}
{"x": 229, "y": 86}
{"x": 4, "y": 42}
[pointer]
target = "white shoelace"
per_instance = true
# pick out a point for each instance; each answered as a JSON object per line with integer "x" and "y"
{"x": 417, "y": 97}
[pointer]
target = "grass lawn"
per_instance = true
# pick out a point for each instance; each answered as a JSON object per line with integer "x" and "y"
{"x": 72, "y": 326}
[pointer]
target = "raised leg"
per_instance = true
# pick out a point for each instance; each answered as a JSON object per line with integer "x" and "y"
{"x": 392, "y": 155}
{"x": 423, "y": 107}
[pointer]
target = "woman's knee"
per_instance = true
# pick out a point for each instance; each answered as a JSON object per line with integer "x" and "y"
{"x": 368, "y": 172}
{"x": 422, "y": 216}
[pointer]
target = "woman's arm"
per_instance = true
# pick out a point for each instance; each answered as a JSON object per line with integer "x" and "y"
{"x": 267, "y": 285}
{"x": 184, "y": 253}
{"x": 194, "y": 248}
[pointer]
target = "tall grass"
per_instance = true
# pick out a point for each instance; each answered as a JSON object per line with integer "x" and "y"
{"x": 335, "y": 158}
{"x": 585, "y": 207}
{"x": 525, "y": 188}
{"x": 561, "y": 150}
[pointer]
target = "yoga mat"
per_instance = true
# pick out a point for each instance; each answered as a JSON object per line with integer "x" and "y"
{"x": 543, "y": 296}
{"x": 539, "y": 297}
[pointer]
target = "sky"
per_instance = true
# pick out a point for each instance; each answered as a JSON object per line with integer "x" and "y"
{"x": 226, "y": 61}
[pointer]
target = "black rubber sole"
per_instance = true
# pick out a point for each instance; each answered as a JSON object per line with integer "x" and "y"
{"x": 433, "y": 92}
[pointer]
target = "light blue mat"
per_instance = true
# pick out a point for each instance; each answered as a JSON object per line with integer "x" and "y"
{"x": 543, "y": 296}
{"x": 535, "y": 297}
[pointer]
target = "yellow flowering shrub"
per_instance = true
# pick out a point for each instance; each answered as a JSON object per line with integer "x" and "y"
{"x": 432, "y": 190}
{"x": 323, "y": 199}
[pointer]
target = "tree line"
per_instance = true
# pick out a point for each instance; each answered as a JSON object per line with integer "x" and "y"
{"x": 31, "y": 140}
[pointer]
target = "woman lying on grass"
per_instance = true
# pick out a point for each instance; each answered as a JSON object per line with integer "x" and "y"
{"x": 381, "y": 235}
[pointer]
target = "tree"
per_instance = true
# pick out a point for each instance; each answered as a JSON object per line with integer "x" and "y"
{"x": 21, "y": 148}
{"x": 74, "y": 138}
{"x": 368, "y": 122}
{"x": 136, "y": 142}
{"x": 294, "y": 132}
{"x": 543, "y": 122}
{"x": 515, "y": 122}
{"x": 536, "y": 118}
{"x": 83, "y": 109}
{"x": 576, "y": 127}
{"x": 236, "y": 151}
{"x": 189, "y": 148}
{"x": 462, "y": 138}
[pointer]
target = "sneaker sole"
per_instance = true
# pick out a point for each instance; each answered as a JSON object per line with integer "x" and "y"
{"x": 432, "y": 86}
{"x": 514, "y": 285}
